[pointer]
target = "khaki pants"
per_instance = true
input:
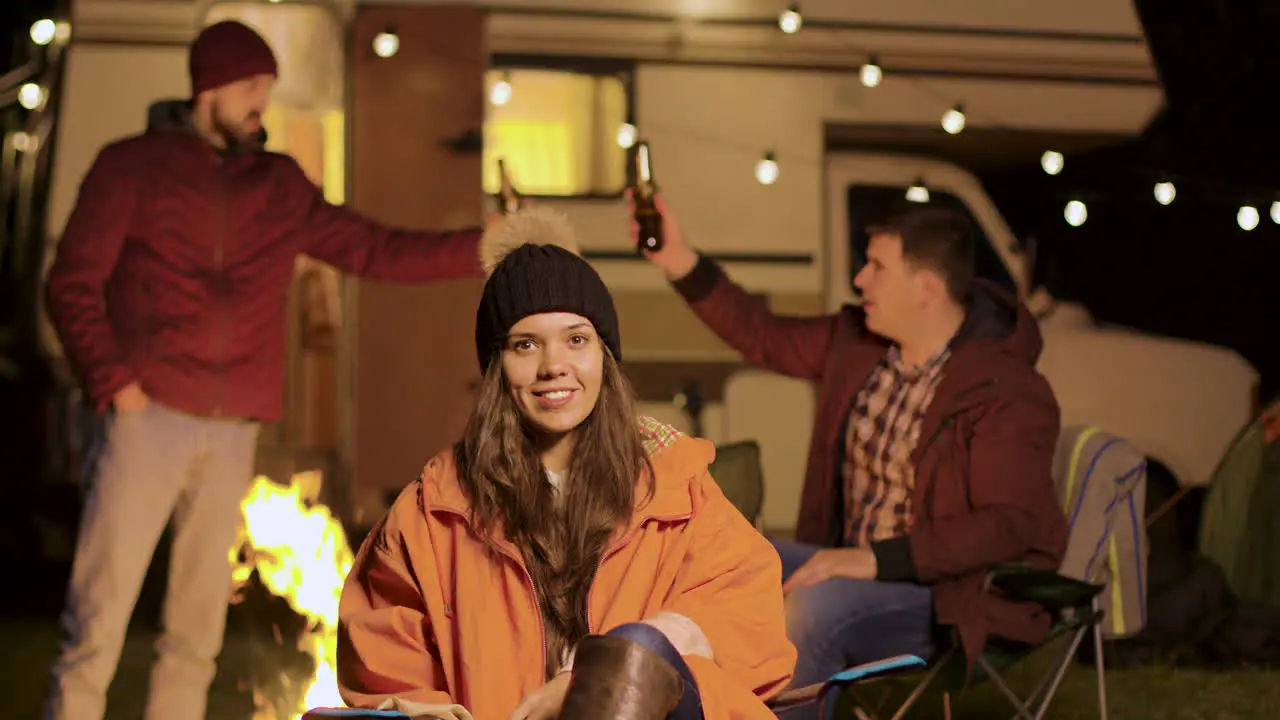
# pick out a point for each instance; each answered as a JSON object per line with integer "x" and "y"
{"x": 157, "y": 463}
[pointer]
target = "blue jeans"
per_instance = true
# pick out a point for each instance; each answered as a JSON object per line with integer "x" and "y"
{"x": 690, "y": 706}
{"x": 842, "y": 622}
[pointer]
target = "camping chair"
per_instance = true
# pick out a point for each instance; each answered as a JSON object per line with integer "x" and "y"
{"x": 1101, "y": 482}
{"x": 738, "y": 472}
{"x": 1073, "y": 604}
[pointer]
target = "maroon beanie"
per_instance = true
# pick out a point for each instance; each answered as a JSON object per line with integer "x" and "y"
{"x": 226, "y": 52}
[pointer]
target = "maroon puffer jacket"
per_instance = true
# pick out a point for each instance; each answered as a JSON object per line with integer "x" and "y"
{"x": 175, "y": 264}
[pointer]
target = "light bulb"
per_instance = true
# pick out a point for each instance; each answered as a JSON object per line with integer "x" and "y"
{"x": 43, "y": 31}
{"x": 767, "y": 169}
{"x": 24, "y": 142}
{"x": 918, "y": 193}
{"x": 386, "y": 43}
{"x": 1247, "y": 218}
{"x": 30, "y": 96}
{"x": 789, "y": 20}
{"x": 870, "y": 73}
{"x": 1275, "y": 212}
{"x": 1051, "y": 162}
{"x": 500, "y": 93}
{"x": 953, "y": 120}
{"x": 1076, "y": 213}
{"x": 1165, "y": 192}
{"x": 627, "y": 135}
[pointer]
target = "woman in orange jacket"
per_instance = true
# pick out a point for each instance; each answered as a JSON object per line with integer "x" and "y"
{"x": 566, "y": 558}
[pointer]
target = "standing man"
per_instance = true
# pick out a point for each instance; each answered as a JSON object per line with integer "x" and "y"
{"x": 932, "y": 447}
{"x": 169, "y": 295}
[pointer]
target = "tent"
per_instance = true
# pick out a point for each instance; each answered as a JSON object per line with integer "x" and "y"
{"x": 1240, "y": 525}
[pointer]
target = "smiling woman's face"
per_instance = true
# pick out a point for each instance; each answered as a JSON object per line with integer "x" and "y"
{"x": 554, "y": 365}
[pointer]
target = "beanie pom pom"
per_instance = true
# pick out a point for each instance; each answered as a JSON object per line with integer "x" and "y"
{"x": 535, "y": 224}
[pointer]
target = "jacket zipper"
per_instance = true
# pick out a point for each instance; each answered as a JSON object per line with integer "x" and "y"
{"x": 947, "y": 421}
{"x": 542, "y": 623}
{"x": 220, "y": 300}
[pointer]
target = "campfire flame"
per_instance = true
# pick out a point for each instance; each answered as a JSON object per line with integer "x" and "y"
{"x": 301, "y": 554}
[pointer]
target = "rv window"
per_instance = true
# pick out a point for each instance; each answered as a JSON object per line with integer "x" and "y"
{"x": 869, "y": 203}
{"x": 557, "y": 131}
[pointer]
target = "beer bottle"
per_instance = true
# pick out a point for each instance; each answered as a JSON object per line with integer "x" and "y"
{"x": 642, "y": 193}
{"x": 507, "y": 198}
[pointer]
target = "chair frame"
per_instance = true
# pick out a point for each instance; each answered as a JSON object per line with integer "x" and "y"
{"x": 1079, "y": 615}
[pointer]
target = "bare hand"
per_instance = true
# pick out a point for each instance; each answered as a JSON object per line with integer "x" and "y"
{"x": 545, "y": 702}
{"x": 854, "y": 563}
{"x": 675, "y": 258}
{"x": 131, "y": 399}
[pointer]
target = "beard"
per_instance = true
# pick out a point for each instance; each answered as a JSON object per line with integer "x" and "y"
{"x": 245, "y": 134}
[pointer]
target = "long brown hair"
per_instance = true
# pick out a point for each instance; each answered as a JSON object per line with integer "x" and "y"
{"x": 504, "y": 480}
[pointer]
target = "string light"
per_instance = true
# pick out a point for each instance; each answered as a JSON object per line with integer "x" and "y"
{"x": 43, "y": 31}
{"x": 500, "y": 93}
{"x": 789, "y": 20}
{"x": 1051, "y": 162}
{"x": 627, "y": 135}
{"x": 1075, "y": 213}
{"x": 30, "y": 96}
{"x": 953, "y": 120}
{"x": 767, "y": 169}
{"x": 870, "y": 74}
{"x": 24, "y": 142}
{"x": 918, "y": 193}
{"x": 386, "y": 43}
{"x": 1247, "y": 217}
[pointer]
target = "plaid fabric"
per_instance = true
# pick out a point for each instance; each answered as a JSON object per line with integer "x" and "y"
{"x": 883, "y": 430}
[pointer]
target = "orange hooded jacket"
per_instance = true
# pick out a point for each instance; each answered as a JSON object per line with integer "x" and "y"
{"x": 428, "y": 616}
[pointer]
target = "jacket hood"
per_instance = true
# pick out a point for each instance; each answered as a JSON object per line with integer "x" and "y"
{"x": 678, "y": 462}
{"x": 993, "y": 315}
{"x": 174, "y": 116}
{"x": 169, "y": 116}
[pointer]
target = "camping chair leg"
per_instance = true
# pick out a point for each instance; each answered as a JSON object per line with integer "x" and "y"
{"x": 1061, "y": 672}
{"x": 924, "y": 685}
{"x": 1100, "y": 664}
{"x": 1024, "y": 712}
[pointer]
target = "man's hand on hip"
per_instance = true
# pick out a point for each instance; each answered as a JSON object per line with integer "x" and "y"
{"x": 853, "y": 563}
{"x": 131, "y": 399}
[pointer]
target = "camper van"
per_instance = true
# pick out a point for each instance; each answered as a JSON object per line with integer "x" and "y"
{"x": 764, "y": 128}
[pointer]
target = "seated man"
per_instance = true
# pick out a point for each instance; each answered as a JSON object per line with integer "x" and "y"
{"x": 932, "y": 447}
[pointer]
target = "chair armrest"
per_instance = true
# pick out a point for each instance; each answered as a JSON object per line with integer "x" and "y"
{"x": 1057, "y": 592}
{"x": 353, "y": 714}
{"x": 866, "y": 671}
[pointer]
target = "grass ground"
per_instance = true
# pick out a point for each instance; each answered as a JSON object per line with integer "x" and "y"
{"x": 27, "y": 648}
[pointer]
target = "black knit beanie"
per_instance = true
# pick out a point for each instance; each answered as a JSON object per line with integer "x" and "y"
{"x": 538, "y": 276}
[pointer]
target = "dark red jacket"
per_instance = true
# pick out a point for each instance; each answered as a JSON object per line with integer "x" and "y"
{"x": 983, "y": 494}
{"x": 175, "y": 265}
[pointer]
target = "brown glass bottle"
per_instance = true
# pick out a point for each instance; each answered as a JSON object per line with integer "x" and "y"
{"x": 643, "y": 191}
{"x": 507, "y": 198}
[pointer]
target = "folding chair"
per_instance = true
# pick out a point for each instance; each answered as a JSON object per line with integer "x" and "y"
{"x": 1074, "y": 605}
{"x": 740, "y": 475}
